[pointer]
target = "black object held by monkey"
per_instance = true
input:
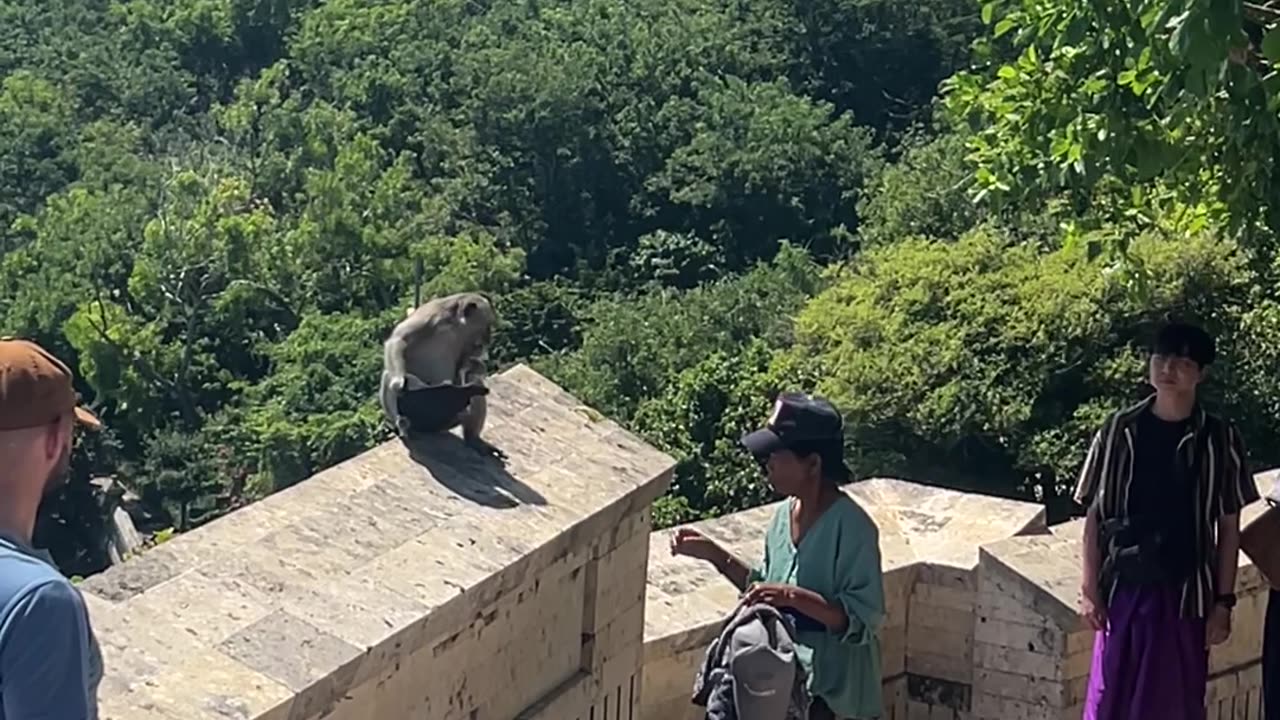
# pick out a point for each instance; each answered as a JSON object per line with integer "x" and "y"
{"x": 433, "y": 368}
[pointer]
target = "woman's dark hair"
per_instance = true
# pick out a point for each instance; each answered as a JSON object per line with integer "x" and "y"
{"x": 1180, "y": 339}
{"x": 831, "y": 453}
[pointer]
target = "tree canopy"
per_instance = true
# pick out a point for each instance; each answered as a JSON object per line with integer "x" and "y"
{"x": 957, "y": 219}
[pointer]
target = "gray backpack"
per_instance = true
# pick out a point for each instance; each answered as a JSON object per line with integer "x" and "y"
{"x": 751, "y": 671}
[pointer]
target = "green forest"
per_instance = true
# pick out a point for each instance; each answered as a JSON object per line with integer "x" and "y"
{"x": 958, "y": 220}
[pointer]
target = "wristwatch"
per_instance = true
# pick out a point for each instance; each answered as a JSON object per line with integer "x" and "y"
{"x": 1226, "y": 600}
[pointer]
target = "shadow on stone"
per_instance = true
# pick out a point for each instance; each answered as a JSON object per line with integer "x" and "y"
{"x": 469, "y": 472}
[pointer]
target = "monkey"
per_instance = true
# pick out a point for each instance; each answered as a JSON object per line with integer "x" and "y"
{"x": 443, "y": 342}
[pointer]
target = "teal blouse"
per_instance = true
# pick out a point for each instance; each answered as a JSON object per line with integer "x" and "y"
{"x": 839, "y": 558}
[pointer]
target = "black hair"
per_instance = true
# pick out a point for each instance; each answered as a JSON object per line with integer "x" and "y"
{"x": 1181, "y": 339}
{"x": 831, "y": 453}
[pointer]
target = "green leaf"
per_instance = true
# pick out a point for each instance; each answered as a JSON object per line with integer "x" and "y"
{"x": 1093, "y": 249}
{"x": 988, "y": 11}
{"x": 1095, "y": 85}
{"x": 1196, "y": 84}
{"x": 1271, "y": 45}
{"x": 1007, "y": 72}
{"x": 1004, "y": 26}
{"x": 1126, "y": 77}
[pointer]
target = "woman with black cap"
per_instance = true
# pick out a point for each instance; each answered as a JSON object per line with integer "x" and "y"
{"x": 821, "y": 560}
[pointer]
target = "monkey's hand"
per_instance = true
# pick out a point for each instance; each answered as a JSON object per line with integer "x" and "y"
{"x": 402, "y": 426}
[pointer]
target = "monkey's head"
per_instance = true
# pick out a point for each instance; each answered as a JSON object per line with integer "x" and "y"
{"x": 478, "y": 319}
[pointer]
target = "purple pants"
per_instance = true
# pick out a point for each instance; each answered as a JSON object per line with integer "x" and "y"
{"x": 1150, "y": 663}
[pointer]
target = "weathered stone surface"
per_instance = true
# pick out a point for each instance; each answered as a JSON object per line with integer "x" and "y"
{"x": 926, "y": 533}
{"x": 1032, "y": 651}
{"x": 982, "y": 619}
{"x": 413, "y": 571}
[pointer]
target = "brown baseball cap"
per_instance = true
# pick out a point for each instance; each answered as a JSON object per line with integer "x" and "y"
{"x": 35, "y": 388}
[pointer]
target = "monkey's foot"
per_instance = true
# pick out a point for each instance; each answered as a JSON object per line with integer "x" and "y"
{"x": 485, "y": 447}
{"x": 402, "y": 426}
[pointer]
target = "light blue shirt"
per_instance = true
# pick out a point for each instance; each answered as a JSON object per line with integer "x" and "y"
{"x": 50, "y": 664}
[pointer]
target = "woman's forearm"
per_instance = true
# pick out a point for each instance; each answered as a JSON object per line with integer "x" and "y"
{"x": 736, "y": 571}
{"x": 819, "y": 608}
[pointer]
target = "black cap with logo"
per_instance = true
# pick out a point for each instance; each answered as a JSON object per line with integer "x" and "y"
{"x": 802, "y": 422}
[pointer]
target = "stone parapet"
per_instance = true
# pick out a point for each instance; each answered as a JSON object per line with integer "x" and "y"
{"x": 1032, "y": 650}
{"x": 421, "y": 581}
{"x": 929, "y": 540}
{"x": 982, "y": 622}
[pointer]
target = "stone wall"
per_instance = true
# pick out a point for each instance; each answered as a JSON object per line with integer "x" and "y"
{"x": 426, "y": 581}
{"x": 982, "y": 611}
{"x": 1033, "y": 651}
{"x": 929, "y": 539}
{"x": 408, "y": 582}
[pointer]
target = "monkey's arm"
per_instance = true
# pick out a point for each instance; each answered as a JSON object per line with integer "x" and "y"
{"x": 394, "y": 380}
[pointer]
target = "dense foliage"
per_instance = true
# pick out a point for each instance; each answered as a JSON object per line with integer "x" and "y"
{"x": 213, "y": 208}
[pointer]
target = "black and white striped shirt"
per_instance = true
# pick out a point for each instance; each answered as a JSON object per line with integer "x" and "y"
{"x": 1212, "y": 449}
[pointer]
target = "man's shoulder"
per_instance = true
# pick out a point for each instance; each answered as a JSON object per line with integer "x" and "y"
{"x": 1219, "y": 422}
{"x": 1127, "y": 415}
{"x": 23, "y": 577}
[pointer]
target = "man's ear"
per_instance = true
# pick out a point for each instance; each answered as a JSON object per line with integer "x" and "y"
{"x": 53, "y": 434}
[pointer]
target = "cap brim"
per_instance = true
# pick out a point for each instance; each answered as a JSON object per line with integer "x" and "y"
{"x": 88, "y": 419}
{"x": 762, "y": 442}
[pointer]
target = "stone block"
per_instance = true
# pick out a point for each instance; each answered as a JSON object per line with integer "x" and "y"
{"x": 953, "y": 642}
{"x": 288, "y": 650}
{"x": 1015, "y": 686}
{"x": 1032, "y": 638}
{"x": 936, "y": 692}
{"x": 1014, "y": 660}
{"x": 620, "y": 580}
{"x": 941, "y": 617}
{"x": 993, "y": 707}
{"x": 893, "y": 651}
{"x": 418, "y": 579}
{"x": 942, "y": 596}
{"x": 940, "y": 667}
{"x": 894, "y": 694}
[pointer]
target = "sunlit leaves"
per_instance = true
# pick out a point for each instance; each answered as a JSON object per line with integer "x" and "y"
{"x": 964, "y": 363}
{"x": 1140, "y": 91}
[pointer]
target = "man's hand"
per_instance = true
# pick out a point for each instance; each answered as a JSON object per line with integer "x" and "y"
{"x": 691, "y": 543}
{"x": 1218, "y": 626}
{"x": 1092, "y": 609}
{"x": 775, "y": 594}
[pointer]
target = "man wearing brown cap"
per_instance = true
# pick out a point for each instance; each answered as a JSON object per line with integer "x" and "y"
{"x": 49, "y": 660}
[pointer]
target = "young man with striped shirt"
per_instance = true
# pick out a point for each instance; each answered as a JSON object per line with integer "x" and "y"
{"x": 1163, "y": 483}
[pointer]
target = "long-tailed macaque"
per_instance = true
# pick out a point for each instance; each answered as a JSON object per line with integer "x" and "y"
{"x": 442, "y": 342}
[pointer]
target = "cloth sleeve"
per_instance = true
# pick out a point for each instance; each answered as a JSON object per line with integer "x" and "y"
{"x": 44, "y": 655}
{"x": 756, "y": 573}
{"x": 859, "y": 583}
{"x": 1237, "y": 488}
{"x": 760, "y": 571}
{"x": 1090, "y": 473}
